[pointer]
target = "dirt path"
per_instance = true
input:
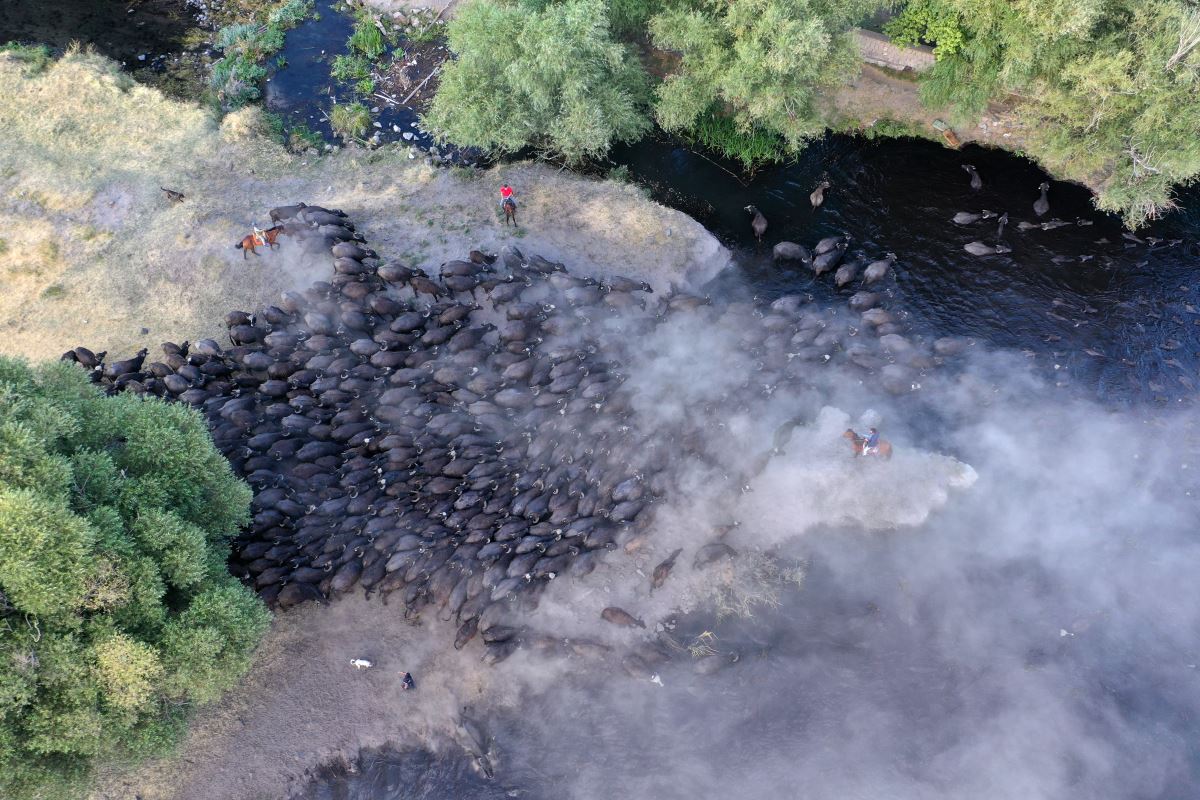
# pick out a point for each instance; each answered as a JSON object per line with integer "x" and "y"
{"x": 877, "y": 96}
{"x": 92, "y": 252}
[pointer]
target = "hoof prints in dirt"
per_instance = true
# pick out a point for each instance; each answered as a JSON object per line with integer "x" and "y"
{"x": 462, "y": 439}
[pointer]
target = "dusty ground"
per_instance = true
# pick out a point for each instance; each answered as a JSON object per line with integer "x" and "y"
{"x": 91, "y": 251}
{"x": 877, "y": 95}
{"x": 304, "y": 705}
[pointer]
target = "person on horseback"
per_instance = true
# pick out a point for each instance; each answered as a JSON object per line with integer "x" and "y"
{"x": 871, "y": 445}
{"x": 260, "y": 235}
{"x": 506, "y": 196}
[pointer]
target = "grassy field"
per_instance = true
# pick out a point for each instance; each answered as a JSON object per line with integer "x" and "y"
{"x": 92, "y": 252}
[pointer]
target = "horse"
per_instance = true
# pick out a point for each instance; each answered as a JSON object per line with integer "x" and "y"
{"x": 859, "y": 443}
{"x": 269, "y": 237}
{"x": 510, "y": 211}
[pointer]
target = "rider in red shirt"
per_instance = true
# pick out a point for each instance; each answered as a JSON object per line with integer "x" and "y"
{"x": 506, "y": 193}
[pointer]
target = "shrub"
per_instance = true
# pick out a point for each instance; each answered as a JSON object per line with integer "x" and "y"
{"x": 246, "y": 46}
{"x": 349, "y": 68}
{"x": 1110, "y": 90}
{"x": 367, "y": 39}
{"x": 350, "y": 120}
{"x": 568, "y": 88}
{"x": 35, "y": 57}
{"x": 116, "y": 609}
{"x": 764, "y": 62}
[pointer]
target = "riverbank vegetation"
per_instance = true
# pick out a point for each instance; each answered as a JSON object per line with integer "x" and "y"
{"x": 541, "y": 75}
{"x": 1109, "y": 90}
{"x": 237, "y": 76}
{"x": 117, "y": 611}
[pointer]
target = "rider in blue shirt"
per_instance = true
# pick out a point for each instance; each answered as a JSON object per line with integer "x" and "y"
{"x": 872, "y": 442}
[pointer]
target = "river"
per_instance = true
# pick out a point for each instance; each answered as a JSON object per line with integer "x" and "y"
{"x": 1059, "y": 294}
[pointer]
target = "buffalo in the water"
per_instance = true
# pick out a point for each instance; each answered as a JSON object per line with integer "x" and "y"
{"x": 790, "y": 251}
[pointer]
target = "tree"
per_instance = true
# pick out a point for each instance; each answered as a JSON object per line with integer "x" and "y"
{"x": 543, "y": 75}
{"x": 765, "y": 62}
{"x": 116, "y": 610}
{"x": 1109, "y": 89}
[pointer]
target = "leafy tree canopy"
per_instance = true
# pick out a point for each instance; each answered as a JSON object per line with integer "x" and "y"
{"x": 116, "y": 610}
{"x": 763, "y": 61}
{"x": 538, "y": 74}
{"x": 1110, "y": 89}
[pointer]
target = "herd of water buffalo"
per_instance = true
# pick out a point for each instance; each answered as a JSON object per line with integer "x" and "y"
{"x": 461, "y": 439}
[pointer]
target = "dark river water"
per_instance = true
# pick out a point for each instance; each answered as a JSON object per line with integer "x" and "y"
{"x": 1058, "y": 294}
{"x": 1040, "y": 642}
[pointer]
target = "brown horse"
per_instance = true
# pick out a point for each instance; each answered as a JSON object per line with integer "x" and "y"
{"x": 859, "y": 443}
{"x": 269, "y": 238}
{"x": 510, "y": 211}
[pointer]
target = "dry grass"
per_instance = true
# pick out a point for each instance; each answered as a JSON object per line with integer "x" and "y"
{"x": 749, "y": 582}
{"x": 86, "y": 150}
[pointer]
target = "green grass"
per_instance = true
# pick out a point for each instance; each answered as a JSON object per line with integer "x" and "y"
{"x": 752, "y": 149}
{"x": 349, "y": 67}
{"x": 365, "y": 86}
{"x": 35, "y": 57}
{"x": 246, "y": 46}
{"x": 350, "y": 120}
{"x": 426, "y": 34}
{"x": 464, "y": 173}
{"x": 302, "y": 137}
{"x": 367, "y": 39}
{"x": 53, "y": 291}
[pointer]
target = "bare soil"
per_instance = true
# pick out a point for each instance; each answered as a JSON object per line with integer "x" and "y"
{"x": 877, "y": 95}
{"x": 92, "y": 252}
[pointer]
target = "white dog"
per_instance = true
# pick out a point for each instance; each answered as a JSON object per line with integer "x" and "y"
{"x": 360, "y": 663}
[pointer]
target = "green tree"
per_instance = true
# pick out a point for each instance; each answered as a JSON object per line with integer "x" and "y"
{"x": 542, "y": 75}
{"x": 763, "y": 62}
{"x": 116, "y": 611}
{"x": 1109, "y": 89}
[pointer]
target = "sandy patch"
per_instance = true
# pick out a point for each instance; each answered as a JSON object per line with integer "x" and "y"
{"x": 93, "y": 252}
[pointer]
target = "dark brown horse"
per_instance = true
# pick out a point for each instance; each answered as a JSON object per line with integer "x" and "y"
{"x": 510, "y": 211}
{"x": 859, "y": 444}
{"x": 269, "y": 238}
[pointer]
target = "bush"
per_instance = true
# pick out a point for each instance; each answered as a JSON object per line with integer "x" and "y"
{"x": 116, "y": 611}
{"x": 35, "y": 57}
{"x": 764, "y": 62}
{"x": 1110, "y": 90}
{"x": 350, "y": 120}
{"x": 349, "y": 68}
{"x": 567, "y": 88}
{"x": 246, "y": 46}
{"x": 366, "y": 39}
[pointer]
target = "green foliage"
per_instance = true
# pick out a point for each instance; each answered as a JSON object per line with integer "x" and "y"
{"x": 246, "y": 46}
{"x": 116, "y": 611}
{"x": 927, "y": 22}
{"x": 752, "y": 147}
{"x": 763, "y": 62}
{"x": 1109, "y": 89}
{"x": 365, "y": 86}
{"x": 630, "y": 17}
{"x": 302, "y": 137}
{"x": 350, "y": 120}
{"x": 349, "y": 68}
{"x": 553, "y": 79}
{"x": 35, "y": 57}
{"x": 367, "y": 39}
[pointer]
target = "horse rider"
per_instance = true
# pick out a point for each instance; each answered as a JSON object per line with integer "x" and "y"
{"x": 260, "y": 235}
{"x": 871, "y": 445}
{"x": 506, "y": 196}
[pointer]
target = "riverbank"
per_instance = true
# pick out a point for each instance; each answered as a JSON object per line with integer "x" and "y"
{"x": 93, "y": 250}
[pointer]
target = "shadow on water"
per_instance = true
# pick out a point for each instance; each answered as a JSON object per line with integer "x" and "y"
{"x": 135, "y": 34}
{"x": 1058, "y": 294}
